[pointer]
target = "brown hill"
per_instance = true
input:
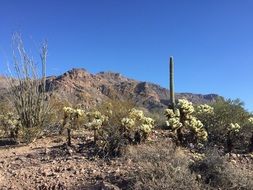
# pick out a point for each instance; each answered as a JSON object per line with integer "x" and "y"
{"x": 78, "y": 86}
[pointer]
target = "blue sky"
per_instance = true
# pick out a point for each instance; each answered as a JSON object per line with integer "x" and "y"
{"x": 211, "y": 40}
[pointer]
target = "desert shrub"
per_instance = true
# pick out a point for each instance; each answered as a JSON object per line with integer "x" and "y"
{"x": 113, "y": 141}
{"x": 56, "y": 115}
{"x": 116, "y": 125}
{"x": 27, "y": 90}
{"x": 225, "y": 113}
{"x": 215, "y": 172}
{"x": 159, "y": 117}
{"x": 189, "y": 128}
{"x": 161, "y": 167}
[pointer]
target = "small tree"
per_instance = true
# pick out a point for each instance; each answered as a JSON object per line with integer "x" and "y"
{"x": 27, "y": 89}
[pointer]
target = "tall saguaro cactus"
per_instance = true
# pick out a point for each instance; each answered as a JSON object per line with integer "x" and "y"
{"x": 172, "y": 94}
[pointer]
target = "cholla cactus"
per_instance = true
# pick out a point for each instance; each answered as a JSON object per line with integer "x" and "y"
{"x": 173, "y": 118}
{"x": 95, "y": 120}
{"x": 11, "y": 124}
{"x": 174, "y": 123}
{"x": 185, "y": 106}
{"x": 73, "y": 113}
{"x": 234, "y": 127}
{"x": 128, "y": 123}
{"x": 147, "y": 125}
{"x": 170, "y": 113}
{"x": 136, "y": 114}
{"x": 137, "y": 123}
{"x": 70, "y": 120}
{"x": 194, "y": 124}
{"x": 183, "y": 117}
{"x": 250, "y": 120}
{"x": 205, "y": 109}
{"x": 202, "y": 134}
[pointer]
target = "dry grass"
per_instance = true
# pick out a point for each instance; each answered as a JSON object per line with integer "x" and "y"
{"x": 160, "y": 166}
{"x": 217, "y": 173}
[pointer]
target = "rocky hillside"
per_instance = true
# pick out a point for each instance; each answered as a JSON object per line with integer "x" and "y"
{"x": 80, "y": 86}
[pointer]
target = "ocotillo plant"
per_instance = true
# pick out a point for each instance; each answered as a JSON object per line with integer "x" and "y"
{"x": 172, "y": 95}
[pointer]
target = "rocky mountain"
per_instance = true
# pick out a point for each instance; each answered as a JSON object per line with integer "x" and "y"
{"x": 78, "y": 86}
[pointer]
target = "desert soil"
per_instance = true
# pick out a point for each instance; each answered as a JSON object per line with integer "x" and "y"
{"x": 48, "y": 164}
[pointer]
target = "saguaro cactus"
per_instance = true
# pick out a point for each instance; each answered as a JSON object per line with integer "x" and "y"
{"x": 172, "y": 94}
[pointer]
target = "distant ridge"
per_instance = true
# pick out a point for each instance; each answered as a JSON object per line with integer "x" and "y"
{"x": 78, "y": 86}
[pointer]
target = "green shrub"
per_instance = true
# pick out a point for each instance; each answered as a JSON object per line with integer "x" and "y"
{"x": 225, "y": 113}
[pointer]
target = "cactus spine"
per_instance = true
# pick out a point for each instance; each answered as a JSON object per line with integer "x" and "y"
{"x": 172, "y": 94}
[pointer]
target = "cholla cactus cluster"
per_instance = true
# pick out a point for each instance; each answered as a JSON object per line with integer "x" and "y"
{"x": 95, "y": 120}
{"x": 73, "y": 113}
{"x": 173, "y": 118}
{"x": 234, "y": 127}
{"x": 205, "y": 109}
{"x": 136, "y": 121}
{"x": 183, "y": 117}
{"x": 250, "y": 120}
{"x": 71, "y": 119}
{"x": 11, "y": 123}
{"x": 128, "y": 123}
{"x": 185, "y": 106}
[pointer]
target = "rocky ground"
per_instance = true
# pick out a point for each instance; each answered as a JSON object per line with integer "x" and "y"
{"x": 48, "y": 164}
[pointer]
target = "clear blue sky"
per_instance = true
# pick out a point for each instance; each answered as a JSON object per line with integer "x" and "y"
{"x": 211, "y": 40}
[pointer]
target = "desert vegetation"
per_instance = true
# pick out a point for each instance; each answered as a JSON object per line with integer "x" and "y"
{"x": 117, "y": 144}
